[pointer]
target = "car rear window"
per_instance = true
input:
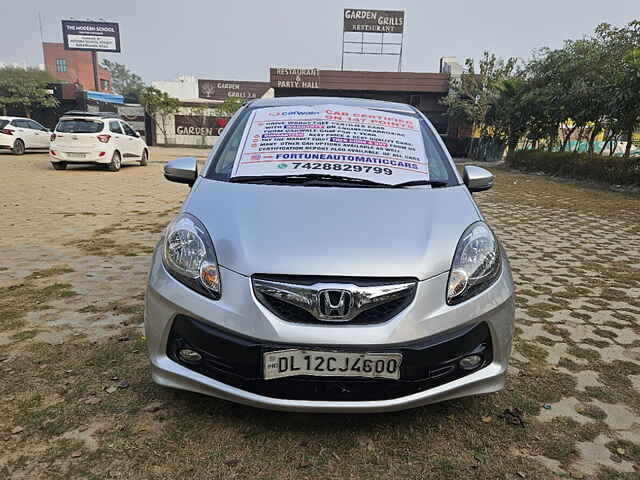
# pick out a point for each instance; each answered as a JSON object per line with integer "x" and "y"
{"x": 79, "y": 126}
{"x": 3, "y": 123}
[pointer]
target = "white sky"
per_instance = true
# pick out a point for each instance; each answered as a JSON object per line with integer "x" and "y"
{"x": 241, "y": 39}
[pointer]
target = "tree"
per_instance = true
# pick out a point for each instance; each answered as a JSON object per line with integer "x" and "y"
{"x": 622, "y": 84}
{"x": 471, "y": 96}
{"x": 590, "y": 86}
{"x": 124, "y": 82}
{"x": 159, "y": 104}
{"x": 231, "y": 106}
{"x": 26, "y": 89}
{"x": 627, "y": 84}
{"x": 510, "y": 111}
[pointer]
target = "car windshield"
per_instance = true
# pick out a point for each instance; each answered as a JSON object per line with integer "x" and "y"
{"x": 331, "y": 145}
{"x": 78, "y": 125}
{"x": 3, "y": 122}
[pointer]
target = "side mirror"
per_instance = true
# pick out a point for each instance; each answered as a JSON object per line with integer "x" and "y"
{"x": 477, "y": 179}
{"x": 182, "y": 170}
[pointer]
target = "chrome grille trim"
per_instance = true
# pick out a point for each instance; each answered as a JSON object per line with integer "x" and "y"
{"x": 307, "y": 297}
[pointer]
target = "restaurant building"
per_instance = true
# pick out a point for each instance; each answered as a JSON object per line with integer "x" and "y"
{"x": 199, "y": 122}
{"x": 422, "y": 90}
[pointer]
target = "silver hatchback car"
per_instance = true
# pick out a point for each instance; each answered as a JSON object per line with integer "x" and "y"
{"x": 329, "y": 258}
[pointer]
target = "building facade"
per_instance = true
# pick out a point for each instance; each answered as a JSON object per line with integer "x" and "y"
{"x": 184, "y": 88}
{"x": 198, "y": 122}
{"x": 74, "y": 66}
{"x": 422, "y": 90}
{"x": 192, "y": 89}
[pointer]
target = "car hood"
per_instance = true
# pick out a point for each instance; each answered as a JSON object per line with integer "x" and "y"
{"x": 368, "y": 232}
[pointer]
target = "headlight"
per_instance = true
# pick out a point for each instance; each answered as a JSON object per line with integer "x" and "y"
{"x": 476, "y": 264}
{"x": 190, "y": 257}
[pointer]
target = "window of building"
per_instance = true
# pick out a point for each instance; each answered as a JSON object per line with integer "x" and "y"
{"x": 61, "y": 65}
{"x": 104, "y": 84}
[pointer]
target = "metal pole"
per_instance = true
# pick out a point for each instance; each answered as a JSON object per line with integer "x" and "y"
{"x": 342, "y": 62}
{"x": 40, "y": 21}
{"x": 400, "y": 56}
{"x": 94, "y": 60}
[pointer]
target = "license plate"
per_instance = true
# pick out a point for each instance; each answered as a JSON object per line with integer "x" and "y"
{"x": 293, "y": 362}
{"x": 76, "y": 155}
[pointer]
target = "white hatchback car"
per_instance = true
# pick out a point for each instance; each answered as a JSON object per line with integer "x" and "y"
{"x": 20, "y": 134}
{"x": 97, "y": 138}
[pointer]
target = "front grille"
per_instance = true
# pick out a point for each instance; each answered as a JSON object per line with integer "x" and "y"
{"x": 238, "y": 361}
{"x": 377, "y": 314}
{"x": 288, "y": 312}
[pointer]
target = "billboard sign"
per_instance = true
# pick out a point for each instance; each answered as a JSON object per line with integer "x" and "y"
{"x": 295, "y": 77}
{"x": 199, "y": 125}
{"x": 373, "y": 21}
{"x": 91, "y": 36}
{"x": 223, "y": 89}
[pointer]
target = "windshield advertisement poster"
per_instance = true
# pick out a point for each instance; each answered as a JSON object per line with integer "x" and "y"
{"x": 93, "y": 36}
{"x": 333, "y": 140}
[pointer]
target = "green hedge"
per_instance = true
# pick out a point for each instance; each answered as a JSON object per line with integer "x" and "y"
{"x": 581, "y": 166}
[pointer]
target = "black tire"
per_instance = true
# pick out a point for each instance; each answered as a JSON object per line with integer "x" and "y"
{"x": 18, "y": 147}
{"x": 59, "y": 165}
{"x": 144, "y": 159}
{"x": 116, "y": 162}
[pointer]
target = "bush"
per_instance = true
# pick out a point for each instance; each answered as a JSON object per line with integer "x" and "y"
{"x": 581, "y": 166}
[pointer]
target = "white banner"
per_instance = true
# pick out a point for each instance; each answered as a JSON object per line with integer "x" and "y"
{"x": 332, "y": 140}
{"x": 91, "y": 42}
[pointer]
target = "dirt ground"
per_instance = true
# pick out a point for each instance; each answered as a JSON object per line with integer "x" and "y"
{"x": 76, "y": 400}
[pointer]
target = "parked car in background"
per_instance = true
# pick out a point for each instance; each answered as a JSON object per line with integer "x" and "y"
{"x": 329, "y": 258}
{"x": 95, "y": 138}
{"x": 20, "y": 134}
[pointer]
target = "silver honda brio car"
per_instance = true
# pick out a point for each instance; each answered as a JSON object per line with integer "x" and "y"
{"x": 329, "y": 258}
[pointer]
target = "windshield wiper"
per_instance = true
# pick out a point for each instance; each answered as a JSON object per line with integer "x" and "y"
{"x": 312, "y": 180}
{"x": 309, "y": 180}
{"x": 433, "y": 183}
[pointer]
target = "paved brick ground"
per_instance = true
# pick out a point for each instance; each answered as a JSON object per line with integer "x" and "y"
{"x": 99, "y": 224}
{"x": 575, "y": 253}
{"x": 75, "y": 251}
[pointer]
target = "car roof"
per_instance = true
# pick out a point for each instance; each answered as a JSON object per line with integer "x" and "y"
{"x": 5, "y": 117}
{"x": 347, "y": 102}
{"x": 86, "y": 117}
{"x": 83, "y": 114}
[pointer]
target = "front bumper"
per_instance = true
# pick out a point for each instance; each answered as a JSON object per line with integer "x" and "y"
{"x": 232, "y": 333}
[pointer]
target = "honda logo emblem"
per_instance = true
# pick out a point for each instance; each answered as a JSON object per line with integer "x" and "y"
{"x": 335, "y": 304}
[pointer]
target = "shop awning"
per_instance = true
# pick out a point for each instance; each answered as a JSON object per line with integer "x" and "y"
{"x": 105, "y": 97}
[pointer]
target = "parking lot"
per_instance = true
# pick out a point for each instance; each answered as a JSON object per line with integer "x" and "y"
{"x": 77, "y": 400}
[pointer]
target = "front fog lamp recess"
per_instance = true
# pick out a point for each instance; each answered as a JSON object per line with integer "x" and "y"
{"x": 189, "y": 356}
{"x": 470, "y": 362}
